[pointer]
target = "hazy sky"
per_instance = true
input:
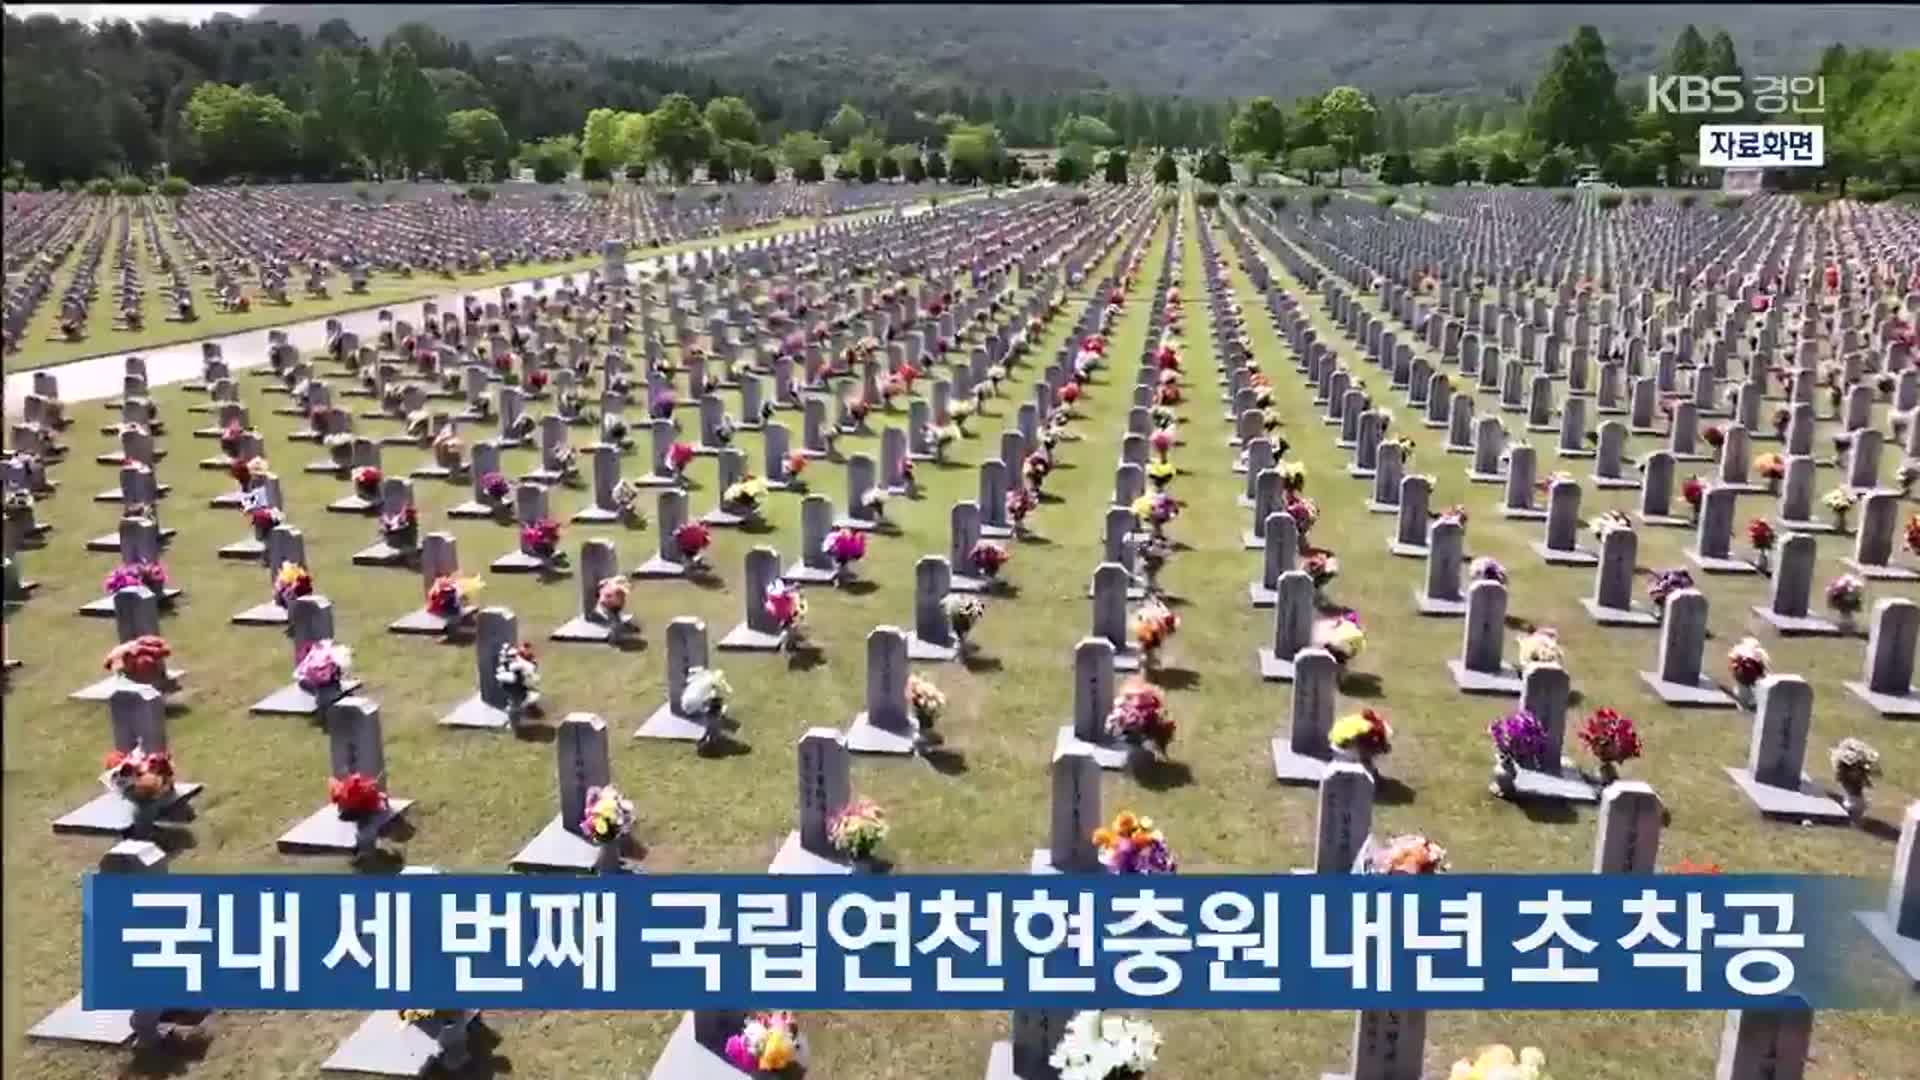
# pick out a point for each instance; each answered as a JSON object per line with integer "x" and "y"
{"x": 133, "y": 12}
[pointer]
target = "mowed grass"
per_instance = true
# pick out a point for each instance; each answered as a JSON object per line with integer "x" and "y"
{"x": 41, "y": 348}
{"x": 482, "y": 796}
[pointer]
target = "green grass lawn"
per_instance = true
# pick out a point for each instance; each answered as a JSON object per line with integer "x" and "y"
{"x": 482, "y": 796}
{"x": 383, "y": 290}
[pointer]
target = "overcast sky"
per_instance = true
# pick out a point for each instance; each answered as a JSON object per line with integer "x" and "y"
{"x": 133, "y": 12}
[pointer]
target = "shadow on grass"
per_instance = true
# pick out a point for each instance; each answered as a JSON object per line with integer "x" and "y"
{"x": 1880, "y": 830}
{"x": 805, "y": 657}
{"x": 1360, "y": 684}
{"x": 1391, "y": 791}
{"x": 483, "y": 1043}
{"x": 174, "y": 838}
{"x": 1163, "y": 775}
{"x": 722, "y": 745}
{"x": 1175, "y": 678}
{"x": 175, "y": 1051}
{"x": 1035, "y": 539}
{"x": 535, "y": 733}
{"x": 1548, "y": 811}
{"x": 977, "y": 664}
{"x": 705, "y": 579}
{"x": 945, "y": 761}
{"x": 859, "y": 587}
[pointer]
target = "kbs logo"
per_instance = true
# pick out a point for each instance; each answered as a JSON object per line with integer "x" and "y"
{"x": 1726, "y": 95}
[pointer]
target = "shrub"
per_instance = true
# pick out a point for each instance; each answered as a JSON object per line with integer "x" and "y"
{"x": 1563, "y": 197}
{"x": 1610, "y": 200}
{"x": 1728, "y": 202}
{"x": 99, "y": 185}
{"x": 1686, "y": 202}
{"x": 131, "y": 186}
{"x": 362, "y": 192}
{"x": 480, "y": 193}
{"x": 1386, "y": 198}
{"x": 636, "y": 172}
{"x": 592, "y": 168}
{"x": 557, "y": 197}
{"x": 1277, "y": 201}
{"x": 1239, "y": 198}
{"x": 1207, "y": 199}
{"x": 68, "y": 186}
{"x": 1814, "y": 200}
{"x": 34, "y": 186}
{"x": 1080, "y": 198}
{"x": 1423, "y": 202}
{"x": 1318, "y": 199}
{"x": 714, "y": 197}
{"x": 548, "y": 169}
{"x": 175, "y": 187}
{"x": 600, "y": 190}
{"x": 10, "y": 185}
{"x": 1642, "y": 198}
{"x": 1870, "y": 192}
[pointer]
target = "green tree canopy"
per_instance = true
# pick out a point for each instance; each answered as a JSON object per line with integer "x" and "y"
{"x": 847, "y": 122}
{"x": 410, "y": 109}
{"x": 1166, "y": 170}
{"x": 1577, "y": 102}
{"x": 977, "y": 149}
{"x": 475, "y": 136}
{"x": 1347, "y": 115}
{"x": 1114, "y": 166}
{"x": 678, "y": 135}
{"x": 798, "y": 149}
{"x": 1080, "y": 128}
{"x": 239, "y": 131}
{"x": 732, "y": 119}
{"x": 1259, "y": 127}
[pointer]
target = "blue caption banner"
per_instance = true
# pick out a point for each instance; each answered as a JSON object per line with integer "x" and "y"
{"x": 638, "y": 941}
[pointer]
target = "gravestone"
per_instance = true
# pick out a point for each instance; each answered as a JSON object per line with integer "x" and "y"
{"x": 1518, "y": 503}
{"x": 1561, "y": 546}
{"x": 1612, "y": 602}
{"x": 582, "y": 763}
{"x": 860, "y": 480}
{"x": 758, "y": 631}
{"x": 668, "y": 561}
{"x": 530, "y": 506}
{"x": 1545, "y": 690}
{"x": 310, "y": 619}
{"x": 1796, "y": 499}
{"x": 1712, "y": 548}
{"x": 138, "y": 718}
{"x": 1683, "y": 640}
{"x": 1787, "y": 608}
{"x": 1774, "y": 778}
{"x": 1874, "y": 539}
{"x": 886, "y": 725}
{"x": 355, "y": 745}
{"x": 826, "y": 786}
{"x": 1897, "y": 926}
{"x": 1656, "y": 491}
{"x": 494, "y": 629}
{"x": 686, "y": 650}
{"x": 1481, "y": 668}
{"x": 1110, "y": 584}
{"x": 1629, "y": 829}
{"x": 1075, "y": 813}
{"x": 932, "y": 638}
{"x": 1888, "y": 682}
{"x": 598, "y": 562}
{"x": 1093, "y": 693}
{"x": 1293, "y": 615}
{"x": 1033, "y": 1035}
{"x": 606, "y": 475}
{"x": 1441, "y": 593}
{"x": 1301, "y": 754}
{"x": 1344, "y": 817}
{"x": 1280, "y": 552}
{"x": 814, "y": 567}
{"x": 486, "y": 461}
{"x": 1765, "y": 1044}
{"x": 438, "y": 558}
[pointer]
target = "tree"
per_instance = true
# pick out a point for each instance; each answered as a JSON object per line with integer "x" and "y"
{"x": 811, "y": 172}
{"x": 977, "y": 149}
{"x": 869, "y": 170}
{"x": 800, "y": 149}
{"x": 889, "y": 167}
{"x": 1166, "y": 170}
{"x": 1441, "y": 167}
{"x": 1554, "y": 169}
{"x": 1115, "y": 167}
{"x": 239, "y": 131}
{"x": 474, "y": 136}
{"x": 600, "y": 139}
{"x": 1577, "y": 101}
{"x": 410, "y": 108}
{"x": 1306, "y": 127}
{"x": 864, "y": 147}
{"x": 913, "y": 170}
{"x": 1502, "y": 169}
{"x": 762, "y": 170}
{"x": 678, "y": 135}
{"x": 719, "y": 169}
{"x": 1259, "y": 127}
{"x": 1214, "y": 168}
{"x": 1396, "y": 169}
{"x": 635, "y": 147}
{"x": 327, "y": 127}
{"x": 1067, "y": 169}
{"x": 730, "y": 118}
{"x": 936, "y": 165}
{"x": 1314, "y": 160}
{"x": 1688, "y": 56}
{"x": 1079, "y": 128}
{"x": 847, "y": 123}
{"x": 1347, "y": 116}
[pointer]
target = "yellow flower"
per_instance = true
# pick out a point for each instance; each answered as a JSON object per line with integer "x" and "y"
{"x": 777, "y": 1052}
{"x": 290, "y": 572}
{"x": 468, "y": 586}
{"x": 1143, "y": 507}
{"x": 1348, "y": 728}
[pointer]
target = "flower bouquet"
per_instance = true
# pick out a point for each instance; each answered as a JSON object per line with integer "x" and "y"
{"x": 516, "y": 671}
{"x": 1021, "y": 501}
{"x": 1162, "y": 441}
{"x": 1542, "y": 646}
{"x": 786, "y": 605}
{"x": 1501, "y": 1063}
{"x": 292, "y": 582}
{"x": 874, "y": 501}
{"x": 996, "y": 374}
{"x": 705, "y": 699}
{"x": 541, "y": 539}
{"x": 858, "y": 407}
{"x": 1139, "y": 717}
{"x": 745, "y": 496}
{"x": 1846, "y": 595}
{"x": 1322, "y": 566}
{"x": 610, "y": 602}
{"x": 142, "y": 777}
{"x": 963, "y": 613}
{"x": 679, "y": 455}
{"x": 322, "y": 671}
{"x": 845, "y": 547}
{"x": 661, "y": 403}
{"x": 606, "y": 822}
{"x": 566, "y": 464}
{"x": 366, "y": 481}
{"x": 1664, "y": 584}
{"x": 1611, "y": 739}
{"x": 1781, "y": 418}
{"x": 451, "y": 597}
{"x": 1608, "y": 521}
{"x": 691, "y": 540}
{"x": 1715, "y": 436}
{"x": 1693, "y": 490}
{"x": 1304, "y": 512}
{"x": 1760, "y": 534}
{"x": 1361, "y": 737}
{"x": 1153, "y": 553}
{"x": 1408, "y": 854}
{"x": 1519, "y": 741}
{"x": 1854, "y": 766}
{"x": 768, "y": 1044}
{"x": 1133, "y": 845}
{"x": 793, "y": 470}
{"x": 1487, "y": 568}
{"x": 1035, "y": 469}
{"x": 1153, "y": 624}
{"x": 359, "y": 798}
{"x": 1748, "y": 662}
{"x": 1772, "y": 468}
{"x": 1341, "y": 636}
{"x": 1164, "y": 418}
{"x": 926, "y": 704}
{"x": 1912, "y": 534}
{"x": 232, "y": 438}
{"x": 987, "y": 557}
{"x": 1840, "y": 501}
{"x": 495, "y": 488}
{"x": 857, "y": 830}
{"x": 626, "y": 501}
{"x": 943, "y": 437}
{"x": 401, "y": 529}
{"x": 151, "y": 576}
{"x": 1101, "y": 1047}
{"x": 144, "y": 659}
